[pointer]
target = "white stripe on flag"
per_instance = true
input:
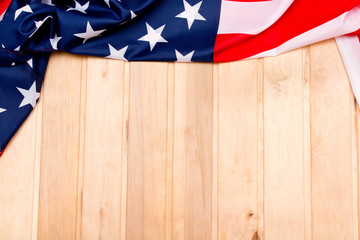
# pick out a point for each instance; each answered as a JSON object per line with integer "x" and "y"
{"x": 250, "y": 17}
{"x": 349, "y": 47}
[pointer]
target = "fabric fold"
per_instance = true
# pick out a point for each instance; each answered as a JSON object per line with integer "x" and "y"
{"x": 349, "y": 47}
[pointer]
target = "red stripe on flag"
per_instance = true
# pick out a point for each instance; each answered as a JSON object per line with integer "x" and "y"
{"x": 4, "y": 4}
{"x": 301, "y": 16}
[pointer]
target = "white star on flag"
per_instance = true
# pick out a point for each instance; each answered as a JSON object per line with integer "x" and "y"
{"x": 153, "y": 36}
{"x": 38, "y": 24}
{"x": 25, "y": 8}
{"x": 90, "y": 33}
{"x": 78, "y": 7}
{"x": 107, "y": 2}
{"x": 17, "y": 49}
{"x": 132, "y": 14}
{"x": 191, "y": 13}
{"x": 30, "y": 96}
{"x": 182, "y": 58}
{"x": 54, "y": 41}
{"x": 30, "y": 62}
{"x": 117, "y": 54}
{"x": 2, "y": 110}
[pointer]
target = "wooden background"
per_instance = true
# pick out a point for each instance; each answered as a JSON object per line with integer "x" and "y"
{"x": 259, "y": 149}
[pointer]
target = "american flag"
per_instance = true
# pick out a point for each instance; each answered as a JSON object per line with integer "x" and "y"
{"x": 158, "y": 30}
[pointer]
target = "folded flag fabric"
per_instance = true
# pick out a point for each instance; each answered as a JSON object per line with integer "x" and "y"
{"x": 158, "y": 30}
{"x": 349, "y": 47}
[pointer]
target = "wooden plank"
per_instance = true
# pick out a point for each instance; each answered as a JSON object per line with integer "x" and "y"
{"x": 331, "y": 140}
{"x": 18, "y": 171}
{"x": 146, "y": 204}
{"x": 238, "y": 150}
{"x": 215, "y": 154}
{"x": 193, "y": 149}
{"x": 354, "y": 164}
{"x": 283, "y": 147}
{"x": 80, "y": 177}
{"x": 260, "y": 151}
{"x": 36, "y": 182}
{"x": 124, "y": 153}
{"x": 105, "y": 126}
{"x": 170, "y": 151}
{"x": 60, "y": 148}
{"x": 307, "y": 141}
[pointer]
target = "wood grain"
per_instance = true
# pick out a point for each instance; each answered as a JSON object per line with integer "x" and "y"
{"x": 283, "y": 147}
{"x": 331, "y": 139}
{"x": 238, "y": 145}
{"x": 103, "y": 147}
{"x": 60, "y": 149}
{"x": 193, "y": 152}
{"x": 146, "y": 182}
{"x": 249, "y": 150}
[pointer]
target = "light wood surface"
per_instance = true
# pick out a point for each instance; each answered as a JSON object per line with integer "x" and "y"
{"x": 249, "y": 150}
